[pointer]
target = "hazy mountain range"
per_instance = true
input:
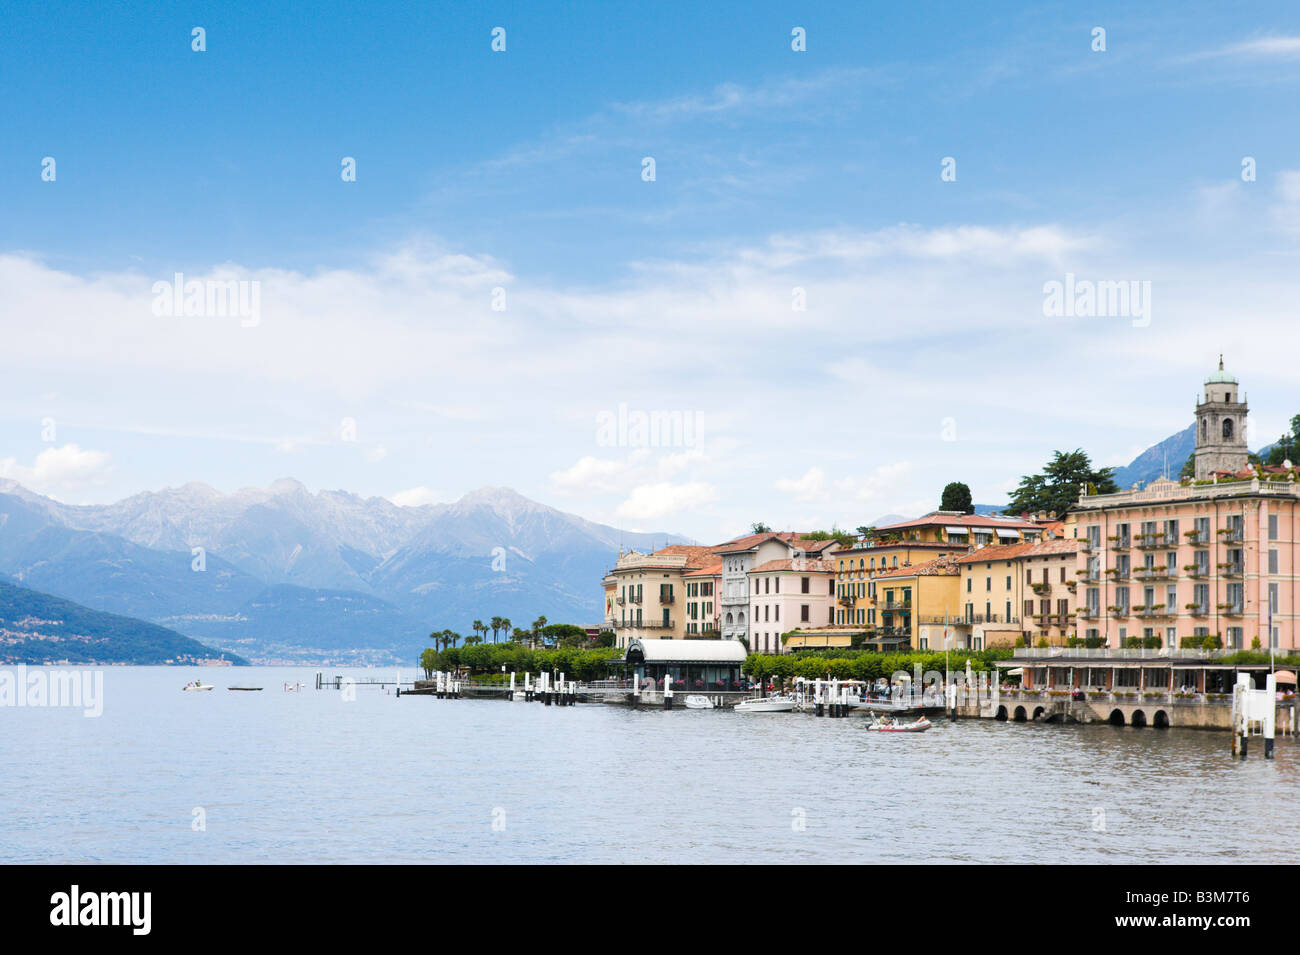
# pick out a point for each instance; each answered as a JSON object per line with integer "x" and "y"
{"x": 279, "y": 574}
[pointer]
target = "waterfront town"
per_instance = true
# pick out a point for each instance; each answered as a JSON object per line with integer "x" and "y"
{"x": 1137, "y": 589}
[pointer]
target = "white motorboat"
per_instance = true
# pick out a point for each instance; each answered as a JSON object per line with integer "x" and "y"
{"x": 196, "y": 686}
{"x": 766, "y": 704}
{"x": 697, "y": 702}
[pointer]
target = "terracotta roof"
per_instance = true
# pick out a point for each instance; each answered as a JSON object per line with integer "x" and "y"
{"x": 970, "y": 520}
{"x": 1044, "y": 548}
{"x": 994, "y": 552}
{"x": 696, "y": 556}
{"x": 712, "y": 570}
{"x": 944, "y": 566}
{"x": 811, "y": 566}
{"x": 794, "y": 538}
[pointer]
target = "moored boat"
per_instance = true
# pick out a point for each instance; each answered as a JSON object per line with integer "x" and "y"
{"x": 196, "y": 686}
{"x": 697, "y": 702}
{"x": 766, "y": 704}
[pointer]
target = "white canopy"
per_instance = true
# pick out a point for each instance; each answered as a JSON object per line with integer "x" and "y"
{"x": 689, "y": 651}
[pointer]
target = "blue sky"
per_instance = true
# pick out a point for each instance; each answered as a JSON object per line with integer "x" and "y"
{"x": 923, "y": 354}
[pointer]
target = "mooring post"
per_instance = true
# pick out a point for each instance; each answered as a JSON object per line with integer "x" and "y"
{"x": 1270, "y": 715}
{"x": 1240, "y": 718}
{"x": 668, "y": 692}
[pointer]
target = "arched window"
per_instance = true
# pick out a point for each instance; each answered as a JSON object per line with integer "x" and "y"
{"x": 1227, "y": 429}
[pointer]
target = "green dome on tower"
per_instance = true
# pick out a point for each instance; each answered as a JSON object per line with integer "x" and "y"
{"x": 1221, "y": 377}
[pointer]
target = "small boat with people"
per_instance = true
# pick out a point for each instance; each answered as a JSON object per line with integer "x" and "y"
{"x": 196, "y": 685}
{"x": 766, "y": 704}
{"x": 697, "y": 702}
{"x": 892, "y": 724}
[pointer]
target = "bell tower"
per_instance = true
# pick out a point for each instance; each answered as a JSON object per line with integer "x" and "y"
{"x": 1220, "y": 426}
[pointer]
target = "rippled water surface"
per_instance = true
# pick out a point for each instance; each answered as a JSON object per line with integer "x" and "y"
{"x": 310, "y": 777}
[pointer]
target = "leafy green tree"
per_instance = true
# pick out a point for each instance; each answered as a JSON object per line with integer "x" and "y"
{"x": 1058, "y": 485}
{"x": 1287, "y": 446}
{"x": 1189, "y": 467}
{"x": 429, "y": 662}
{"x": 758, "y": 527}
{"x": 956, "y": 497}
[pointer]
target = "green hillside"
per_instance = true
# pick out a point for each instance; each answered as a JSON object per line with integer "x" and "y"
{"x": 38, "y": 628}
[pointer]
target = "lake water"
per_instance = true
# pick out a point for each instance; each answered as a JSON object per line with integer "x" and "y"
{"x": 310, "y": 777}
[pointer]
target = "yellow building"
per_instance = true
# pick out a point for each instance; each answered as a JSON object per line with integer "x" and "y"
{"x": 650, "y": 592}
{"x": 702, "y": 589}
{"x": 1018, "y": 590}
{"x": 910, "y": 604}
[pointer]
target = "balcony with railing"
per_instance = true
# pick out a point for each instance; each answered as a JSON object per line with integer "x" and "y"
{"x": 1197, "y": 538}
{"x": 1231, "y": 609}
{"x": 1119, "y": 543}
{"x": 1197, "y": 610}
{"x": 1041, "y": 588}
{"x": 1232, "y": 568}
{"x": 893, "y": 631}
{"x": 1152, "y": 573}
{"x": 1231, "y": 535}
{"x": 1196, "y": 570}
{"x": 1052, "y": 619}
{"x": 898, "y": 606}
{"x": 1152, "y": 612}
{"x": 1155, "y": 540}
{"x": 1117, "y": 611}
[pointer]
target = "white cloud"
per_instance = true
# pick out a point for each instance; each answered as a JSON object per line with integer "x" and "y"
{"x": 654, "y": 501}
{"x": 415, "y": 497}
{"x": 1288, "y": 185}
{"x": 59, "y": 470}
{"x": 807, "y": 488}
{"x": 1286, "y": 47}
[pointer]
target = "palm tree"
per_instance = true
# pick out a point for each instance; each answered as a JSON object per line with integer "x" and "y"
{"x": 505, "y": 625}
{"x": 477, "y": 625}
{"x": 537, "y": 629}
{"x": 496, "y": 625}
